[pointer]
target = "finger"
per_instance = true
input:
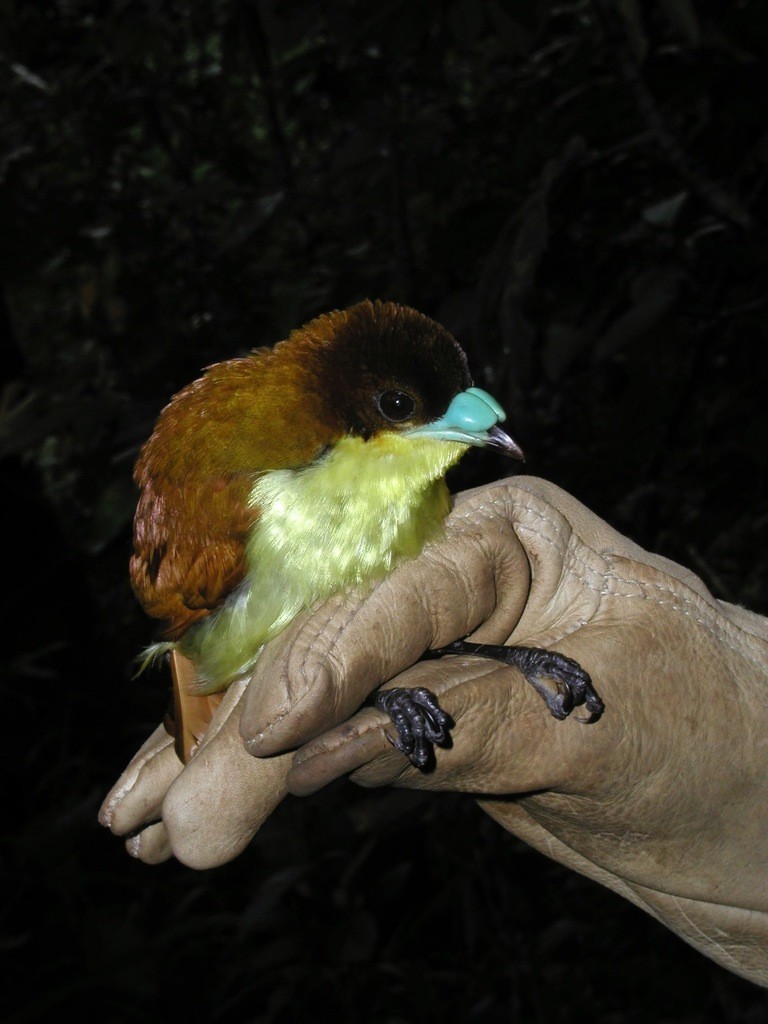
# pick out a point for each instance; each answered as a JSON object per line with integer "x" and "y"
{"x": 342, "y": 750}
{"x": 136, "y": 798}
{"x": 363, "y": 746}
{"x": 151, "y": 845}
{"x": 324, "y": 665}
{"x": 503, "y": 741}
{"x": 217, "y": 804}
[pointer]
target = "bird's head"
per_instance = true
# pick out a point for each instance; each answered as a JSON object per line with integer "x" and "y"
{"x": 375, "y": 372}
{"x": 383, "y": 368}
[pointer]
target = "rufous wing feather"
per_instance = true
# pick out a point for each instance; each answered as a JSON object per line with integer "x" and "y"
{"x": 189, "y": 549}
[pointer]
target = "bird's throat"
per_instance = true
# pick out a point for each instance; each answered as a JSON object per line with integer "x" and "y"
{"x": 342, "y": 522}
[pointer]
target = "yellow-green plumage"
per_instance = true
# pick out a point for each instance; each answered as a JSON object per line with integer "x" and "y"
{"x": 343, "y": 521}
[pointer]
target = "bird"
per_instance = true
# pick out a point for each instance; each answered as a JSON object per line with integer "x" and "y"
{"x": 292, "y": 473}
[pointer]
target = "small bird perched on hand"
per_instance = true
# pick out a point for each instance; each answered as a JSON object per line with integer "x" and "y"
{"x": 295, "y": 472}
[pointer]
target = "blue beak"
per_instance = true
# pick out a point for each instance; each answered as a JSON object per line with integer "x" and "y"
{"x": 472, "y": 418}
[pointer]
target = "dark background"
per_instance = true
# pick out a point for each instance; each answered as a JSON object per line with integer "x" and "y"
{"x": 578, "y": 191}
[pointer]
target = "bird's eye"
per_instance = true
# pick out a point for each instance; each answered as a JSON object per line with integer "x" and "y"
{"x": 396, "y": 405}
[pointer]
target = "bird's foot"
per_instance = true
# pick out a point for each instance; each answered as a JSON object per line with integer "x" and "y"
{"x": 573, "y": 685}
{"x": 419, "y": 720}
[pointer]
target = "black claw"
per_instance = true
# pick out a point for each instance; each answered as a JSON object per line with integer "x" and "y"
{"x": 574, "y": 686}
{"x": 419, "y": 720}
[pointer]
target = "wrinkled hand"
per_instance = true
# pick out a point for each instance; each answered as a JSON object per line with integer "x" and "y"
{"x": 663, "y": 800}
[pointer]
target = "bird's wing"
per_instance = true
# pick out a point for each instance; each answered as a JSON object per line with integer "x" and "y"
{"x": 189, "y": 548}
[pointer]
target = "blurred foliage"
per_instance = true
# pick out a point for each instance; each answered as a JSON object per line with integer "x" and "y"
{"x": 577, "y": 190}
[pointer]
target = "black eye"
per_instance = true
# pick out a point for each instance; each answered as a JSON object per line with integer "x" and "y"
{"x": 395, "y": 405}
